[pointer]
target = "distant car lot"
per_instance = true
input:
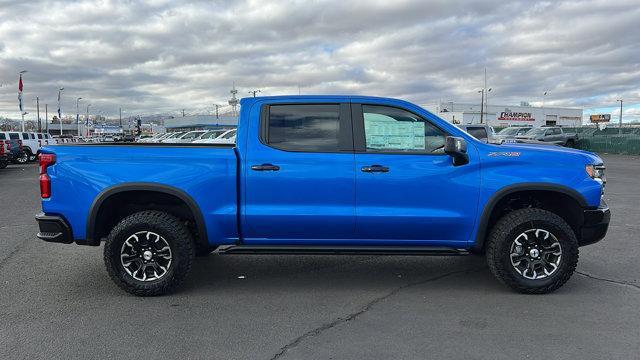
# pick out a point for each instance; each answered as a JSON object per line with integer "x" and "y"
{"x": 58, "y": 302}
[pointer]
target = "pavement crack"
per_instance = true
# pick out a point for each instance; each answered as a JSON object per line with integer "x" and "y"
{"x": 617, "y": 282}
{"x": 317, "y": 331}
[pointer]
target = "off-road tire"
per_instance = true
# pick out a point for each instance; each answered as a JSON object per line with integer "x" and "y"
{"x": 509, "y": 227}
{"x": 172, "y": 230}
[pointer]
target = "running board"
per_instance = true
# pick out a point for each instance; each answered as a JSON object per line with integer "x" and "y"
{"x": 339, "y": 250}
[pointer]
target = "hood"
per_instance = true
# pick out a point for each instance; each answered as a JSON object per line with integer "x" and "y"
{"x": 543, "y": 148}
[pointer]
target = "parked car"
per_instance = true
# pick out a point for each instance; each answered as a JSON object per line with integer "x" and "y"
{"x": 227, "y": 137}
{"x": 161, "y": 137}
{"x": 211, "y": 134}
{"x": 12, "y": 139}
{"x": 289, "y": 186}
{"x": 510, "y": 133}
{"x": 553, "y": 135}
{"x": 5, "y": 159}
{"x": 482, "y": 132}
{"x": 188, "y": 136}
{"x": 172, "y": 137}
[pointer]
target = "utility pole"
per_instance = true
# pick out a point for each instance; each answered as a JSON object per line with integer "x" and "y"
{"x": 254, "y": 92}
{"x": 46, "y": 117}
{"x": 182, "y": 112}
{"x": 78, "y": 115}
{"x": 620, "y": 125}
{"x": 38, "y": 111}
{"x": 60, "y": 109}
{"x": 217, "y": 107}
{"x": 120, "y": 112}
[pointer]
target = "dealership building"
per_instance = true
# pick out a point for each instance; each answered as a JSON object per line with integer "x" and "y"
{"x": 509, "y": 115}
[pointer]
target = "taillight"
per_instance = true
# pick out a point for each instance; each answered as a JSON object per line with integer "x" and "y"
{"x": 1, "y": 148}
{"x": 8, "y": 144}
{"x": 46, "y": 160}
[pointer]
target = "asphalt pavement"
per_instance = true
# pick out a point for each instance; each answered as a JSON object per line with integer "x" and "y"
{"x": 57, "y": 301}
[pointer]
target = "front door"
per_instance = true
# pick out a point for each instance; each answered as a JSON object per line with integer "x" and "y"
{"x": 408, "y": 191}
{"x": 300, "y": 178}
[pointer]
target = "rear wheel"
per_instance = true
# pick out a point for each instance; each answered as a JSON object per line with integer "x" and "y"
{"x": 3, "y": 164}
{"x": 149, "y": 253}
{"x": 22, "y": 159}
{"x": 570, "y": 143}
{"x": 532, "y": 250}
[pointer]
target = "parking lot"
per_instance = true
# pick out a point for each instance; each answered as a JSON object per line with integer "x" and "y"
{"x": 57, "y": 301}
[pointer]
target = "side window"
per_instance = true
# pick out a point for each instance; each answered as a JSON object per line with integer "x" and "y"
{"x": 557, "y": 131}
{"x": 25, "y": 136}
{"x": 2, "y": 136}
{"x": 39, "y": 136}
{"x": 389, "y": 129}
{"x": 33, "y": 136}
{"x": 14, "y": 136}
{"x": 477, "y": 132}
{"x": 305, "y": 127}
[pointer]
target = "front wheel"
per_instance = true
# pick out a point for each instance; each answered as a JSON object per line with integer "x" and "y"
{"x": 149, "y": 253}
{"x": 533, "y": 251}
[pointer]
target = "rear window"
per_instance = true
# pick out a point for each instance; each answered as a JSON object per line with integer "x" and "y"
{"x": 477, "y": 132}
{"x": 39, "y": 136}
{"x": 14, "y": 136}
{"x": 308, "y": 127}
{"x": 2, "y": 137}
{"x": 25, "y": 136}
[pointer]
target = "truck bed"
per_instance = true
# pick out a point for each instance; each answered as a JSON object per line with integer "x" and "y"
{"x": 206, "y": 172}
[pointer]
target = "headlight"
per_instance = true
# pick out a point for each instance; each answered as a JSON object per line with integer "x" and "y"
{"x": 596, "y": 172}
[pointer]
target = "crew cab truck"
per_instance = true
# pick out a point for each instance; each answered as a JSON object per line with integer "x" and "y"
{"x": 326, "y": 175}
{"x": 554, "y": 135}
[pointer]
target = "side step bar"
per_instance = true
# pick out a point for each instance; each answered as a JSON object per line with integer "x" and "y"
{"x": 339, "y": 250}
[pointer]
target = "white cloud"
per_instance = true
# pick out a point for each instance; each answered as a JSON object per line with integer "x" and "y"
{"x": 160, "y": 56}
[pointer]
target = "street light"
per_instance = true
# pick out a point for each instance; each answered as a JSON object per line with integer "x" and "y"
{"x": 78, "y": 114}
{"x": 254, "y": 92}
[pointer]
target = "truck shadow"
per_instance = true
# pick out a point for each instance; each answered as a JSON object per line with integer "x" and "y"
{"x": 297, "y": 273}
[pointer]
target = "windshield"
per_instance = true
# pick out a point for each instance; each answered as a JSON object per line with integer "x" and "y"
{"x": 536, "y": 131}
{"x": 229, "y": 135}
{"x": 212, "y": 134}
{"x": 509, "y": 131}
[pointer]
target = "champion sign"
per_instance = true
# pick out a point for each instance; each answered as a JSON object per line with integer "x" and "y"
{"x": 516, "y": 116}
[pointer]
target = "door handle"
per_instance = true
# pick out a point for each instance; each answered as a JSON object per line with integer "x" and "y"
{"x": 265, "y": 167}
{"x": 375, "y": 168}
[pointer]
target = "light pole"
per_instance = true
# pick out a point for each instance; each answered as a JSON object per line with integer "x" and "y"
{"x": 38, "y": 111}
{"x": 60, "y": 108}
{"x": 481, "y": 104}
{"x": 87, "y": 119}
{"x": 620, "y": 124}
{"x": 46, "y": 117}
{"x": 78, "y": 114}
{"x": 254, "y": 92}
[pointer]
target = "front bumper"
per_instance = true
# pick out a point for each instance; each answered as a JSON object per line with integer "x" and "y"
{"x": 595, "y": 226}
{"x": 54, "y": 229}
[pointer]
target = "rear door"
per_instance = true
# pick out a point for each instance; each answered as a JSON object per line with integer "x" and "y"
{"x": 299, "y": 173}
{"x": 407, "y": 190}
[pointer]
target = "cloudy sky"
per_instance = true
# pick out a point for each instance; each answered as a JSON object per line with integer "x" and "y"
{"x": 163, "y": 56}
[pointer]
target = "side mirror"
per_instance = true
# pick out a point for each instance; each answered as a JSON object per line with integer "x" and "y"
{"x": 456, "y": 147}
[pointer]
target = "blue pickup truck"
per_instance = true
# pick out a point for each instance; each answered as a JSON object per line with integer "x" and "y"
{"x": 326, "y": 175}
